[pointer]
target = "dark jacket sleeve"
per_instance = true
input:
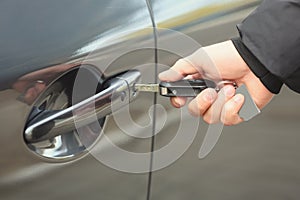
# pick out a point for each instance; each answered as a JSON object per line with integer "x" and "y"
{"x": 270, "y": 43}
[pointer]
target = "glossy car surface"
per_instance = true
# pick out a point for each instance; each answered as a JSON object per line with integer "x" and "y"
{"x": 44, "y": 43}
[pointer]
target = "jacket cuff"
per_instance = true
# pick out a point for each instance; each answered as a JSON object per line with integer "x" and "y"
{"x": 270, "y": 81}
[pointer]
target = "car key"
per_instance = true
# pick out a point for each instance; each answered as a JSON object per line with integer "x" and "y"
{"x": 182, "y": 88}
{"x": 191, "y": 88}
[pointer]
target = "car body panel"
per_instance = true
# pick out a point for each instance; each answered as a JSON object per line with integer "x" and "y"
{"x": 43, "y": 40}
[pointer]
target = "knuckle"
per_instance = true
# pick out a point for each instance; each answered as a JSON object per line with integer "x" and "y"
{"x": 202, "y": 105}
{"x": 230, "y": 120}
{"x": 227, "y": 111}
{"x": 180, "y": 62}
{"x": 228, "y": 107}
{"x": 227, "y": 122}
{"x": 208, "y": 119}
{"x": 226, "y": 117}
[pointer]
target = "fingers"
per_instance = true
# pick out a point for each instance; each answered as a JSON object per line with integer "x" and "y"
{"x": 213, "y": 114}
{"x": 181, "y": 69}
{"x": 231, "y": 109}
{"x": 178, "y": 102}
{"x": 214, "y": 107}
{"x": 202, "y": 102}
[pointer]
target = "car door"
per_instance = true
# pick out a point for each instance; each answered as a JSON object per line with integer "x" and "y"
{"x": 67, "y": 69}
{"x": 254, "y": 160}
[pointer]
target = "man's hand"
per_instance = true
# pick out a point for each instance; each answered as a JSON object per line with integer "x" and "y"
{"x": 217, "y": 62}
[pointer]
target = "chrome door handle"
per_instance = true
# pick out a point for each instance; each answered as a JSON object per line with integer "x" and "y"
{"x": 49, "y": 124}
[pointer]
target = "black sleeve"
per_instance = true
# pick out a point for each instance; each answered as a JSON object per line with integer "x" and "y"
{"x": 270, "y": 43}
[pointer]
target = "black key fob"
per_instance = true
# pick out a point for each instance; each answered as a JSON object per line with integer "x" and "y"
{"x": 185, "y": 88}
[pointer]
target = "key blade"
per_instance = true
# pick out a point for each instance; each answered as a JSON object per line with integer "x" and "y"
{"x": 147, "y": 87}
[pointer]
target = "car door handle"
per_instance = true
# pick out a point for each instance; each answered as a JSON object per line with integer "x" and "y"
{"x": 119, "y": 91}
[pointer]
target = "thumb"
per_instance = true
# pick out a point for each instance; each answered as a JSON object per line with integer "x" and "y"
{"x": 170, "y": 75}
{"x": 178, "y": 71}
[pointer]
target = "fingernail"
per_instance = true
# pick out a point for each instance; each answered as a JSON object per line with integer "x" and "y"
{"x": 177, "y": 103}
{"x": 229, "y": 90}
{"x": 238, "y": 98}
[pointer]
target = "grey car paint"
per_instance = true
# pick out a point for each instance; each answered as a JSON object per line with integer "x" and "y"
{"x": 115, "y": 36}
{"x": 43, "y": 40}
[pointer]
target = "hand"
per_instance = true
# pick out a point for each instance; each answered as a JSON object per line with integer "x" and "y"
{"x": 217, "y": 62}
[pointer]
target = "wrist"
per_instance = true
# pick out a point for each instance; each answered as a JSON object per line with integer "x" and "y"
{"x": 270, "y": 81}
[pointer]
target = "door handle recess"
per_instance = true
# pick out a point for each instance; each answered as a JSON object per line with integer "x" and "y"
{"x": 119, "y": 91}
